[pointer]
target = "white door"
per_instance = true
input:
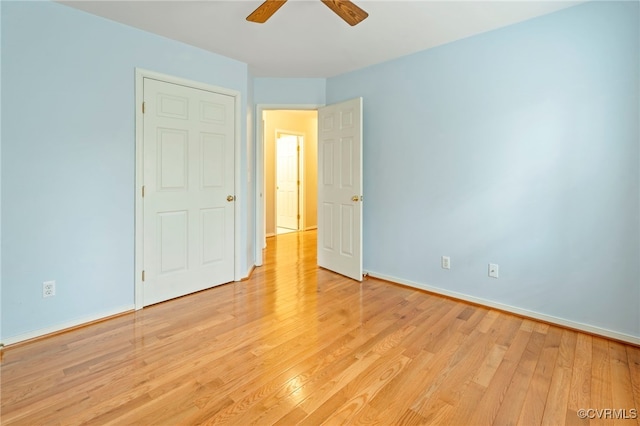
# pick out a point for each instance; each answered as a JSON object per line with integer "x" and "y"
{"x": 287, "y": 182}
{"x": 340, "y": 188}
{"x": 188, "y": 204}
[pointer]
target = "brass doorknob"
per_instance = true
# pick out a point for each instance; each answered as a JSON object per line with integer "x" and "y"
{"x": 230, "y": 198}
{"x": 355, "y": 198}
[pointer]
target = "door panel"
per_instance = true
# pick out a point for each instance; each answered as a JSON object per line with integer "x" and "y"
{"x": 340, "y": 188}
{"x": 172, "y": 165}
{"x": 213, "y": 156}
{"x": 172, "y": 248}
{"x": 212, "y": 235}
{"x": 348, "y": 223}
{"x": 188, "y": 155}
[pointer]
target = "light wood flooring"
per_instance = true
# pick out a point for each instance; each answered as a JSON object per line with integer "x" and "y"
{"x": 300, "y": 345}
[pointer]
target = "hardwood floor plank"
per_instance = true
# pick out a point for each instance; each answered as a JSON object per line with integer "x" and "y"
{"x": 450, "y": 388}
{"x": 400, "y": 393}
{"x": 621, "y": 387}
{"x": 535, "y": 400}
{"x": 633, "y": 357}
{"x": 453, "y": 378}
{"x": 294, "y": 417}
{"x": 555, "y": 409}
{"x": 580, "y": 393}
{"x": 513, "y": 401}
{"x": 465, "y": 410}
{"x": 485, "y": 372}
{"x": 297, "y": 344}
{"x": 601, "y": 385}
{"x": 471, "y": 324}
{"x": 489, "y": 405}
{"x": 364, "y": 388}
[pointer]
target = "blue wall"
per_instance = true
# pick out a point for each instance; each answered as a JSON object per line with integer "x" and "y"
{"x": 518, "y": 147}
{"x": 290, "y": 91}
{"x": 68, "y": 157}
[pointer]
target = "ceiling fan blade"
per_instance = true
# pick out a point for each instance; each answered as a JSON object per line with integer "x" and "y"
{"x": 347, "y": 10}
{"x": 265, "y": 10}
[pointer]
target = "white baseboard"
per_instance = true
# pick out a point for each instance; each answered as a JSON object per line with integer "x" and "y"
{"x": 249, "y": 272}
{"x": 70, "y": 324}
{"x": 512, "y": 309}
{"x": 270, "y": 235}
{"x": 310, "y": 228}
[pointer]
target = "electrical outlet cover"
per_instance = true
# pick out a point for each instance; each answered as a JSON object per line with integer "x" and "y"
{"x": 446, "y": 262}
{"x": 48, "y": 288}
{"x": 493, "y": 270}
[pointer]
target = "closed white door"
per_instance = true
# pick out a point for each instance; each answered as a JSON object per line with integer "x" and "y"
{"x": 287, "y": 182}
{"x": 188, "y": 155}
{"x": 340, "y": 188}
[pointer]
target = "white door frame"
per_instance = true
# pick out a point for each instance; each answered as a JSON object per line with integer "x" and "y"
{"x": 261, "y": 238}
{"x": 141, "y": 74}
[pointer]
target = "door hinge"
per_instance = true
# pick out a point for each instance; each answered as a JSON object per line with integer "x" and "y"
{"x": 298, "y": 183}
{"x": 142, "y": 191}
{"x": 298, "y": 148}
{"x": 143, "y": 107}
{"x": 142, "y": 276}
{"x": 298, "y": 217}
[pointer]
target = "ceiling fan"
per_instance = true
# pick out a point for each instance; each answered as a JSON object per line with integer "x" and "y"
{"x": 345, "y": 9}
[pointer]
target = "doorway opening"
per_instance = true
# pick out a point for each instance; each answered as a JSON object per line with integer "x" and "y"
{"x": 335, "y": 134}
{"x": 290, "y": 142}
{"x": 289, "y": 177}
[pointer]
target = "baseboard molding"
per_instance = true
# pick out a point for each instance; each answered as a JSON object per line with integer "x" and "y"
{"x": 512, "y": 309}
{"x": 249, "y": 273}
{"x": 66, "y": 326}
{"x": 310, "y": 228}
{"x": 270, "y": 235}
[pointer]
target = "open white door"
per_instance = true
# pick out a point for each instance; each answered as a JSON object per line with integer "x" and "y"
{"x": 340, "y": 188}
{"x": 287, "y": 182}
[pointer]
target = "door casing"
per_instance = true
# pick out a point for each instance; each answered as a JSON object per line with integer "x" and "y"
{"x": 138, "y": 262}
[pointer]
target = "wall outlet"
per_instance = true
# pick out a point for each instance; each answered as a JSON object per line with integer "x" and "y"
{"x": 446, "y": 262}
{"x": 493, "y": 270}
{"x": 48, "y": 288}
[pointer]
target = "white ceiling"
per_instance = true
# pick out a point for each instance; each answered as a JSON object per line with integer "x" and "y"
{"x": 306, "y": 39}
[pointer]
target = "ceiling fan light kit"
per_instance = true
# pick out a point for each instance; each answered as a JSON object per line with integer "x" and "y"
{"x": 345, "y": 9}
